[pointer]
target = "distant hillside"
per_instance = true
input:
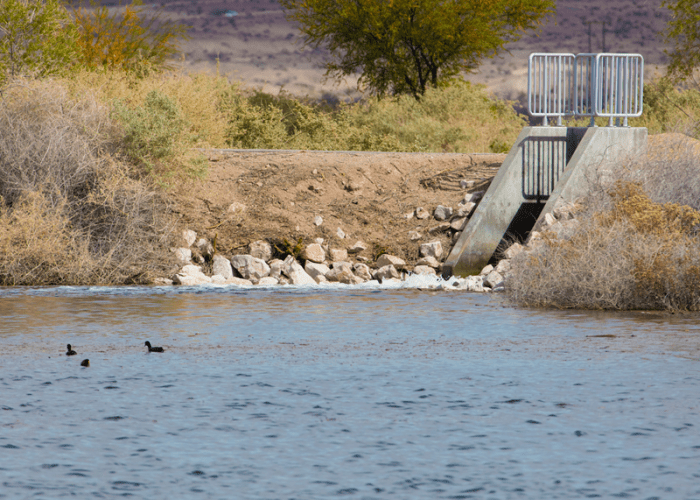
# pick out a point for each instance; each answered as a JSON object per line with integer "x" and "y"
{"x": 254, "y": 42}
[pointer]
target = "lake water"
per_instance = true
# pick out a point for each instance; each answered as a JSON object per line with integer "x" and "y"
{"x": 362, "y": 393}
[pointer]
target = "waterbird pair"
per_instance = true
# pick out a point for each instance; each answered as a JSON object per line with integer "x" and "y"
{"x": 71, "y": 352}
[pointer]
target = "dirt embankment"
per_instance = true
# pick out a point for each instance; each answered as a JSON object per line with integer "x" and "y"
{"x": 276, "y": 195}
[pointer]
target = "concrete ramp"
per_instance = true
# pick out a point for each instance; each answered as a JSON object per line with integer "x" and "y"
{"x": 545, "y": 165}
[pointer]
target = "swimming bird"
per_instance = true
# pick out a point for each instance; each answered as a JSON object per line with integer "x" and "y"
{"x": 153, "y": 349}
{"x": 85, "y": 362}
{"x": 70, "y": 352}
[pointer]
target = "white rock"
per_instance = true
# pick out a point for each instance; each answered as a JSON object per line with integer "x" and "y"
{"x": 318, "y": 220}
{"x": 239, "y": 281}
{"x": 249, "y": 267}
{"x": 222, "y": 266}
{"x": 318, "y": 241}
{"x": 422, "y": 213}
{"x": 420, "y": 269}
{"x": 408, "y": 216}
{"x": 314, "y": 253}
{"x": 442, "y": 212}
{"x": 428, "y": 261}
{"x": 162, "y": 282}
{"x": 386, "y": 259}
{"x": 189, "y": 236}
{"x": 260, "y": 250}
{"x": 458, "y": 223}
{"x": 338, "y": 254}
{"x": 275, "y": 268}
{"x": 341, "y": 274}
{"x": 296, "y": 273}
{"x": 456, "y": 236}
{"x": 362, "y": 258}
{"x": 386, "y": 272}
{"x": 340, "y": 233}
{"x": 486, "y": 270}
{"x": 183, "y": 255}
{"x": 465, "y": 184}
{"x": 321, "y": 279}
{"x": 432, "y": 249}
{"x": 315, "y": 270}
{"x": 342, "y": 265}
{"x": 191, "y": 275}
{"x": 357, "y": 247}
{"x": 414, "y": 235}
{"x": 549, "y": 220}
{"x": 465, "y": 210}
{"x": 217, "y": 279}
{"x": 513, "y": 250}
{"x": 268, "y": 280}
{"x": 473, "y": 197}
{"x": 362, "y": 271}
{"x": 503, "y": 267}
{"x": 493, "y": 279}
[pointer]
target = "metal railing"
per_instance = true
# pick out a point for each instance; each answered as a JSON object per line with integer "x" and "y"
{"x": 549, "y": 84}
{"x": 585, "y": 85}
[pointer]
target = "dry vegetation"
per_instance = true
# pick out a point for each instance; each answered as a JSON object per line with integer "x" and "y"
{"x": 70, "y": 213}
{"x": 636, "y": 245}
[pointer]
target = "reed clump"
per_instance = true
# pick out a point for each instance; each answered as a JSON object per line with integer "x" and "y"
{"x": 635, "y": 246}
{"x": 70, "y": 212}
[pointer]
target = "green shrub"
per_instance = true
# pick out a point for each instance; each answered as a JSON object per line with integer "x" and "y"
{"x": 154, "y": 135}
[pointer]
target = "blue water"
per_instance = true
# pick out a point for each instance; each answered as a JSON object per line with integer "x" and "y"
{"x": 272, "y": 394}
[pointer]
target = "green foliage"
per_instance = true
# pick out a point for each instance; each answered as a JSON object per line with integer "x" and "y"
{"x": 289, "y": 248}
{"x": 457, "y": 118}
{"x": 669, "y": 109}
{"x": 154, "y": 135}
{"x": 405, "y": 46}
{"x": 683, "y": 33}
{"x": 37, "y": 38}
{"x": 132, "y": 39}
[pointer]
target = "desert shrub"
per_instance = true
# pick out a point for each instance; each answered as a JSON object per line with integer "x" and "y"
{"x": 70, "y": 213}
{"x": 457, "y": 118}
{"x": 36, "y": 38}
{"x": 155, "y": 138}
{"x": 132, "y": 40}
{"x": 635, "y": 245}
{"x": 668, "y": 108}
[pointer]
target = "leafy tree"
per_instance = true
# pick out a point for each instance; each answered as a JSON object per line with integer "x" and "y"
{"x": 683, "y": 32}
{"x": 36, "y": 37}
{"x": 404, "y": 46}
{"x": 131, "y": 40}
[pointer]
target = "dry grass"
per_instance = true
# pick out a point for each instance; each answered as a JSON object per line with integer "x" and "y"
{"x": 635, "y": 245}
{"x": 70, "y": 213}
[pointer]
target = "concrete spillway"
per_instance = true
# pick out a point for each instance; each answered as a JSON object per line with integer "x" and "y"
{"x": 546, "y": 165}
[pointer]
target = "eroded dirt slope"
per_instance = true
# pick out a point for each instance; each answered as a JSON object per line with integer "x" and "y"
{"x": 273, "y": 195}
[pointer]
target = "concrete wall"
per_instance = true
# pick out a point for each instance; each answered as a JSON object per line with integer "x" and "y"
{"x": 546, "y": 164}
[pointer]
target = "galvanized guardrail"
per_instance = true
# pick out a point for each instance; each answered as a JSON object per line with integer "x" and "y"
{"x": 585, "y": 85}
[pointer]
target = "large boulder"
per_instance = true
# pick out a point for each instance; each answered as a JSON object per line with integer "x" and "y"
{"x": 442, "y": 212}
{"x": 260, "y": 249}
{"x": 222, "y": 267}
{"x": 189, "y": 237}
{"x": 183, "y": 255}
{"x": 362, "y": 271}
{"x": 338, "y": 254}
{"x": 315, "y": 270}
{"x": 296, "y": 274}
{"x": 191, "y": 275}
{"x": 493, "y": 279}
{"x": 249, "y": 267}
{"x": 432, "y": 249}
{"x": 314, "y": 253}
{"x": 428, "y": 261}
{"x": 342, "y": 272}
{"x": 390, "y": 260}
{"x": 386, "y": 272}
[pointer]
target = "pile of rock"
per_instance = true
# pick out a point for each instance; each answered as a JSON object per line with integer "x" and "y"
{"x": 321, "y": 264}
{"x": 451, "y": 221}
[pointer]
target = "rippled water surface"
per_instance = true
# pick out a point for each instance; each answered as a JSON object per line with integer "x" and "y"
{"x": 269, "y": 394}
